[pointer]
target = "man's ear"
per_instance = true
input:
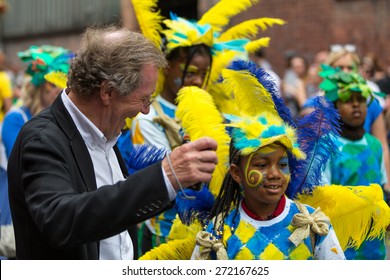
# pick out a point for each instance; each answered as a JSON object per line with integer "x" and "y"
{"x": 106, "y": 93}
{"x": 235, "y": 172}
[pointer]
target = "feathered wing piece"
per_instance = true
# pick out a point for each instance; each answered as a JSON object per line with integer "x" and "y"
{"x": 357, "y": 213}
{"x": 249, "y": 28}
{"x": 221, "y": 13}
{"x": 316, "y": 137}
{"x": 200, "y": 118}
{"x": 149, "y": 19}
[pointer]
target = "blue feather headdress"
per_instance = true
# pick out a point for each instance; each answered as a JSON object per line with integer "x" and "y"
{"x": 316, "y": 137}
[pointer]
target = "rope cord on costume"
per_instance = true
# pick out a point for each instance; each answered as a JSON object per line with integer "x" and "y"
{"x": 177, "y": 179}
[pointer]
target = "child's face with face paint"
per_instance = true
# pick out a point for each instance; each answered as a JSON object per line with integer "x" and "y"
{"x": 196, "y": 74}
{"x": 264, "y": 176}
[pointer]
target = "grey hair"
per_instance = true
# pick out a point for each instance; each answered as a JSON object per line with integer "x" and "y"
{"x": 113, "y": 55}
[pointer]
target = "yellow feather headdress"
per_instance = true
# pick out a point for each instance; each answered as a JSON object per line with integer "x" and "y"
{"x": 259, "y": 123}
{"x": 149, "y": 19}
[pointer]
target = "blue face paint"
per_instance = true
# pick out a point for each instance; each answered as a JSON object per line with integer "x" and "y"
{"x": 177, "y": 82}
{"x": 283, "y": 166}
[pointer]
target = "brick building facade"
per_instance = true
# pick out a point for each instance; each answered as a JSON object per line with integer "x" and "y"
{"x": 312, "y": 25}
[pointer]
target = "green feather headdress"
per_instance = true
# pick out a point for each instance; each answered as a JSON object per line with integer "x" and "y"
{"x": 339, "y": 85}
{"x": 48, "y": 63}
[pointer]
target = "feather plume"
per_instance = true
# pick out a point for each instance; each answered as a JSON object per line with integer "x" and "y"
{"x": 191, "y": 209}
{"x": 249, "y": 28}
{"x": 220, "y": 61}
{"x": 222, "y": 99}
{"x": 316, "y": 133}
{"x": 200, "y": 118}
{"x": 181, "y": 231}
{"x": 251, "y": 96}
{"x": 142, "y": 156}
{"x": 269, "y": 84}
{"x": 149, "y": 19}
{"x": 180, "y": 249}
{"x": 221, "y": 13}
{"x": 357, "y": 213}
{"x": 257, "y": 44}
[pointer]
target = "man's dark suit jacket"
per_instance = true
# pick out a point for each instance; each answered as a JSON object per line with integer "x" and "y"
{"x": 57, "y": 210}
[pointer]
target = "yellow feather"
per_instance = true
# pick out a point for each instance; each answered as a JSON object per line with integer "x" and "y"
{"x": 221, "y": 13}
{"x": 57, "y": 78}
{"x": 251, "y": 96}
{"x": 257, "y": 44}
{"x": 149, "y": 19}
{"x": 180, "y": 249}
{"x": 224, "y": 103}
{"x": 357, "y": 213}
{"x": 200, "y": 117}
{"x": 181, "y": 231}
{"x": 220, "y": 61}
{"x": 249, "y": 28}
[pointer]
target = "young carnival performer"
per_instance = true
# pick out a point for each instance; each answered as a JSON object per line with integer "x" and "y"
{"x": 361, "y": 160}
{"x": 196, "y": 51}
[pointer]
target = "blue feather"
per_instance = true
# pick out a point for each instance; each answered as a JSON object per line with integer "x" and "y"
{"x": 268, "y": 82}
{"x": 316, "y": 137}
{"x": 198, "y": 208}
{"x": 142, "y": 156}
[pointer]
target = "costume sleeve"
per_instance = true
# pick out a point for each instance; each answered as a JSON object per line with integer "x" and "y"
{"x": 146, "y": 131}
{"x": 12, "y": 124}
{"x": 373, "y": 111}
{"x": 328, "y": 247}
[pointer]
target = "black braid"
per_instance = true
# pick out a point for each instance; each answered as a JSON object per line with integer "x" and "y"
{"x": 230, "y": 193}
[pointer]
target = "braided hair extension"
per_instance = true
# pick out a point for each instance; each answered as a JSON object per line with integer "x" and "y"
{"x": 230, "y": 194}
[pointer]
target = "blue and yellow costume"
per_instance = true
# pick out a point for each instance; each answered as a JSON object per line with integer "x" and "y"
{"x": 249, "y": 239}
